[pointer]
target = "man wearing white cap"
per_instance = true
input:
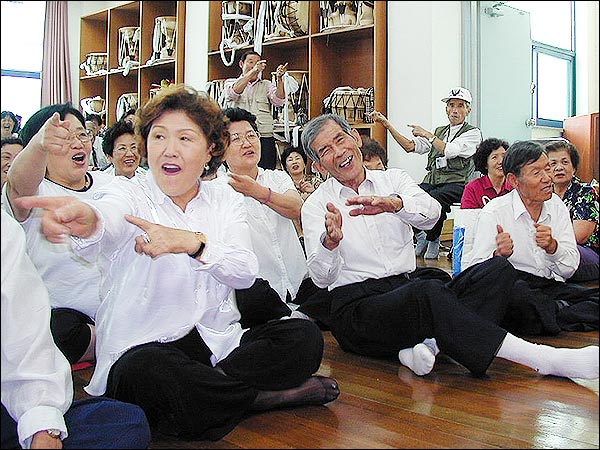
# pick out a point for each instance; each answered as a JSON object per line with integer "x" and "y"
{"x": 450, "y": 166}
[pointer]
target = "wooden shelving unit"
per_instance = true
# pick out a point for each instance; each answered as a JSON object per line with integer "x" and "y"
{"x": 353, "y": 56}
{"x": 100, "y": 33}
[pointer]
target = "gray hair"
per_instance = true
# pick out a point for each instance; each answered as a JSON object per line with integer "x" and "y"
{"x": 520, "y": 154}
{"x": 315, "y": 126}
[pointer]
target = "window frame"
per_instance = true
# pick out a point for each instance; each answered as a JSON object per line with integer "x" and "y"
{"x": 539, "y": 48}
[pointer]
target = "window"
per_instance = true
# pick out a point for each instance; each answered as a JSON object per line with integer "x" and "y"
{"x": 553, "y": 59}
{"x": 23, "y": 35}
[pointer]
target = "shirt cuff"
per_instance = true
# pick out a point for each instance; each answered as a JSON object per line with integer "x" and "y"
{"x": 38, "y": 419}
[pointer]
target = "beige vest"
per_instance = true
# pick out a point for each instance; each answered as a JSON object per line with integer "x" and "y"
{"x": 259, "y": 105}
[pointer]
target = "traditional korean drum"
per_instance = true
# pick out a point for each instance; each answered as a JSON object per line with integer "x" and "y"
{"x": 237, "y": 29}
{"x": 93, "y": 105}
{"x": 94, "y": 63}
{"x": 126, "y": 102}
{"x": 165, "y": 35}
{"x": 337, "y": 14}
{"x": 354, "y": 105}
{"x": 129, "y": 45}
{"x": 286, "y": 19}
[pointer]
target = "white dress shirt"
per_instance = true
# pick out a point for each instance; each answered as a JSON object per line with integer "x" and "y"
{"x": 72, "y": 282}
{"x": 37, "y": 388}
{"x": 509, "y": 212}
{"x": 162, "y": 299}
{"x": 374, "y": 246}
{"x": 463, "y": 145}
{"x": 281, "y": 260}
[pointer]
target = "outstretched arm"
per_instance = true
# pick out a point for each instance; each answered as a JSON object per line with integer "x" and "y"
{"x": 407, "y": 144}
{"x": 63, "y": 216}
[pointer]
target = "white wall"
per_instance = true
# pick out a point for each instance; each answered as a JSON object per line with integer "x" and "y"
{"x": 424, "y": 62}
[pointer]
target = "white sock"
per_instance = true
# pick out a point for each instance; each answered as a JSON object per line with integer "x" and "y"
{"x": 547, "y": 360}
{"x": 420, "y": 358}
{"x": 432, "y": 344}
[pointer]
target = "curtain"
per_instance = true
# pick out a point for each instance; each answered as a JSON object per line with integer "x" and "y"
{"x": 56, "y": 75}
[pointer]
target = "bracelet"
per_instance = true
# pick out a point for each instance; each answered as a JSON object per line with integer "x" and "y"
{"x": 268, "y": 197}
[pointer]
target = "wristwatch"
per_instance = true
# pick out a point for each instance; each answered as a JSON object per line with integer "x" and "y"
{"x": 53, "y": 432}
{"x": 431, "y": 139}
{"x": 202, "y": 240}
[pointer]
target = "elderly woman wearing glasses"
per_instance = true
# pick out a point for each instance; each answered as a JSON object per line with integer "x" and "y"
{"x": 55, "y": 161}
{"x": 272, "y": 203}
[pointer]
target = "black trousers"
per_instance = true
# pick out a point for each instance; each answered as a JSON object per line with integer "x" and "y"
{"x": 268, "y": 153}
{"x": 183, "y": 395}
{"x": 446, "y": 194}
{"x": 379, "y": 317}
{"x": 71, "y": 332}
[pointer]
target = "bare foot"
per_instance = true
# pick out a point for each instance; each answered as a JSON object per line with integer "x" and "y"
{"x": 316, "y": 390}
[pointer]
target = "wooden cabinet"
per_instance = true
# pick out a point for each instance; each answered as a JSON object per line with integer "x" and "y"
{"x": 352, "y": 56}
{"x": 582, "y": 132}
{"x": 100, "y": 34}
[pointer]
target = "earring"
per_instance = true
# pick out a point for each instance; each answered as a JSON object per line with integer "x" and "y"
{"x": 206, "y": 167}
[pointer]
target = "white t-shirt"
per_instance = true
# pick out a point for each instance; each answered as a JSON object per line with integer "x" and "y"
{"x": 71, "y": 281}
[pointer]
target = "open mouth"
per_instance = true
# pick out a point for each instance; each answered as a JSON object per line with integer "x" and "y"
{"x": 129, "y": 162}
{"x": 79, "y": 157}
{"x": 346, "y": 162}
{"x": 171, "y": 169}
{"x": 248, "y": 153}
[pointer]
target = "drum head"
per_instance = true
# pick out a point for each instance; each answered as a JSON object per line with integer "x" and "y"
{"x": 293, "y": 17}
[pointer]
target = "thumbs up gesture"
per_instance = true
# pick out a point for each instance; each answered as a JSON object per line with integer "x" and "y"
{"x": 504, "y": 243}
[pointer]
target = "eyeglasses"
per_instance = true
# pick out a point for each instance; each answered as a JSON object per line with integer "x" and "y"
{"x": 251, "y": 136}
{"x": 84, "y": 136}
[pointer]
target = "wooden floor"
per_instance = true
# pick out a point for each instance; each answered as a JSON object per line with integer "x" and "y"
{"x": 384, "y": 405}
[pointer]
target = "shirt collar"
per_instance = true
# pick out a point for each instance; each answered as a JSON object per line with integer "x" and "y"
{"x": 519, "y": 208}
{"x": 340, "y": 188}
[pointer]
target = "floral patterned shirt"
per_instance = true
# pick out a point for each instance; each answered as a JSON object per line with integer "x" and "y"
{"x": 582, "y": 201}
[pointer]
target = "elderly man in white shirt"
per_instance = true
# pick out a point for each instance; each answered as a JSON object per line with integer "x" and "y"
{"x": 531, "y": 227}
{"x": 358, "y": 236}
{"x": 37, "y": 389}
{"x": 173, "y": 248}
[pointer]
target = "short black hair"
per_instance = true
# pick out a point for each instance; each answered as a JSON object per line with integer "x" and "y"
{"x": 116, "y": 130}
{"x": 236, "y": 114}
{"x": 39, "y": 118}
{"x": 484, "y": 150}
{"x": 370, "y": 148}
{"x": 519, "y": 154}
{"x": 248, "y": 53}
{"x": 15, "y": 118}
{"x": 95, "y": 118}
{"x": 556, "y": 146}
{"x": 11, "y": 140}
{"x": 288, "y": 151}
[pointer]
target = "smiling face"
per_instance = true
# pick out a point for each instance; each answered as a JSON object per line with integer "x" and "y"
{"x": 295, "y": 164}
{"x": 494, "y": 163}
{"x": 535, "y": 183}
{"x": 9, "y": 151}
{"x": 69, "y": 168}
{"x": 457, "y": 111}
{"x": 126, "y": 155}
{"x": 7, "y": 126}
{"x": 177, "y": 153}
{"x": 242, "y": 154}
{"x": 339, "y": 154}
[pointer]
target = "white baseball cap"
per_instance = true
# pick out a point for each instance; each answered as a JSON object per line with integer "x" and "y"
{"x": 459, "y": 93}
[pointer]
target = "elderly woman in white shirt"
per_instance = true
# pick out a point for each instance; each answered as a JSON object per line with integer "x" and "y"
{"x": 272, "y": 203}
{"x": 173, "y": 248}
